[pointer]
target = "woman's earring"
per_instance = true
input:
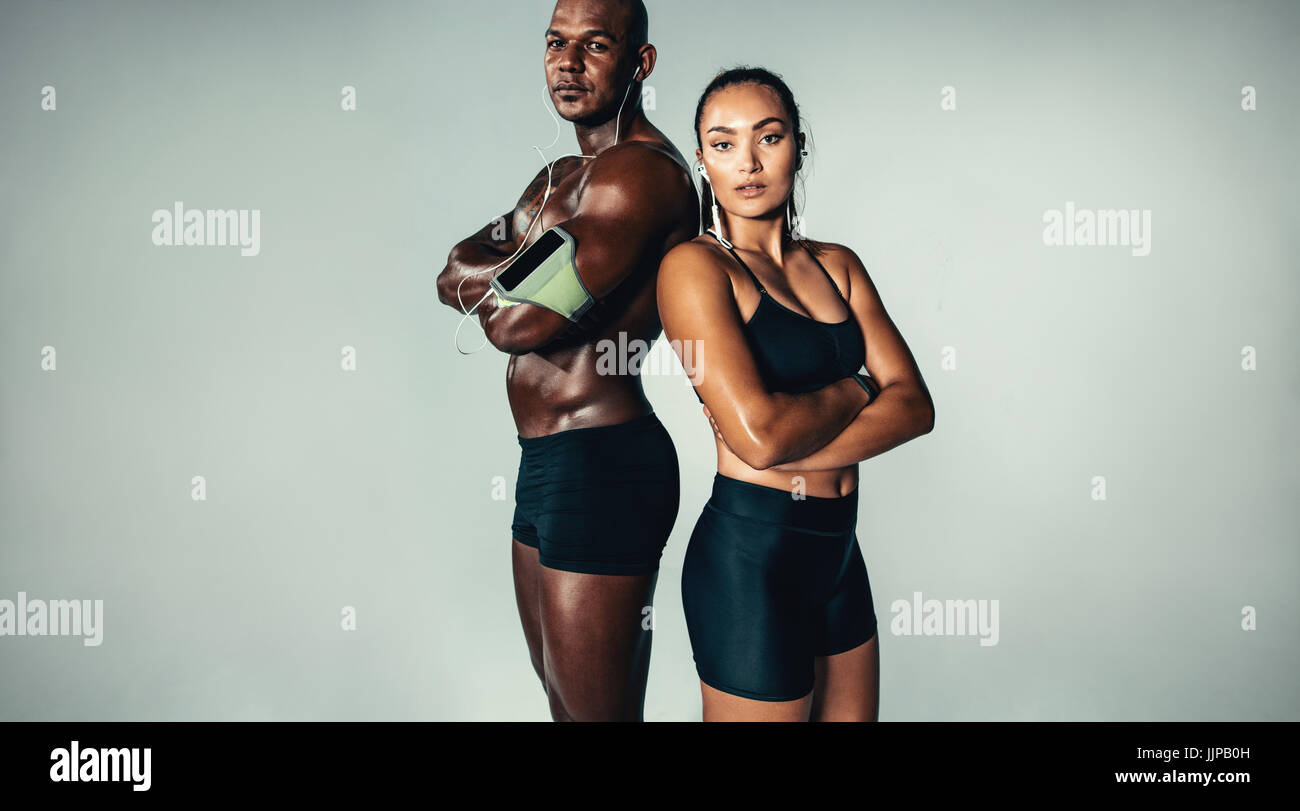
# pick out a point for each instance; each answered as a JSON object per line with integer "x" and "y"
{"x": 717, "y": 228}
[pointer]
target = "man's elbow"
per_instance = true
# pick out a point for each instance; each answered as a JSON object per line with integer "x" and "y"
{"x": 516, "y": 334}
{"x": 926, "y": 418}
{"x": 449, "y": 279}
{"x": 447, "y": 287}
{"x": 507, "y": 340}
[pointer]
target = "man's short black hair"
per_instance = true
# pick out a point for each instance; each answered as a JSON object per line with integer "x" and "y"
{"x": 638, "y": 31}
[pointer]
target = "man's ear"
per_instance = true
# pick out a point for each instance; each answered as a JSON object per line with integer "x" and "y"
{"x": 646, "y": 59}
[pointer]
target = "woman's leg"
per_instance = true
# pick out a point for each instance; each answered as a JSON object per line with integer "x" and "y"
{"x": 848, "y": 680}
{"x": 720, "y": 706}
{"x": 750, "y": 634}
{"x": 848, "y": 684}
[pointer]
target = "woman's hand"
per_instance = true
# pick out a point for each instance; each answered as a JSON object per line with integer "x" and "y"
{"x": 717, "y": 432}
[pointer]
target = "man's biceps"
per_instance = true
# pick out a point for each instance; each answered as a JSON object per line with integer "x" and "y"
{"x": 609, "y": 230}
{"x": 615, "y": 208}
{"x": 605, "y": 260}
{"x": 538, "y": 323}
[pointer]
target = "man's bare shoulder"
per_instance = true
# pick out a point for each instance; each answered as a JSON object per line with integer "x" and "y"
{"x": 650, "y": 162}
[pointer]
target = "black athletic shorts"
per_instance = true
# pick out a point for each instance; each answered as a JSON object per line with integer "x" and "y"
{"x": 598, "y": 500}
{"x": 769, "y": 583}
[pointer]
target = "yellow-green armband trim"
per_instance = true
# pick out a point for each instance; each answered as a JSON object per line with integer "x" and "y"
{"x": 553, "y": 283}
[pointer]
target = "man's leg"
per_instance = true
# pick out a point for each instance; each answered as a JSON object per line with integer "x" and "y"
{"x": 596, "y": 643}
{"x": 527, "y": 573}
{"x": 602, "y": 521}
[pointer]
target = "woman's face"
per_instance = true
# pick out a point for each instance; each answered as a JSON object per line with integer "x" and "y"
{"x": 748, "y": 150}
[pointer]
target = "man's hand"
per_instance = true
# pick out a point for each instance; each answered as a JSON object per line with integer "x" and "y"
{"x": 633, "y": 196}
{"x": 465, "y": 277}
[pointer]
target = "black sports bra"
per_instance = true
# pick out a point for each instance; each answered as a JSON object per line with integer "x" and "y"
{"x": 794, "y": 352}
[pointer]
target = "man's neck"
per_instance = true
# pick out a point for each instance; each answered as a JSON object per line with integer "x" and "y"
{"x": 594, "y": 140}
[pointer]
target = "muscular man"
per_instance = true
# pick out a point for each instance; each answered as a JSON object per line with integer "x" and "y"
{"x": 597, "y": 491}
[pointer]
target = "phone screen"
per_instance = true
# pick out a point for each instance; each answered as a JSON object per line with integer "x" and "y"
{"x": 528, "y": 261}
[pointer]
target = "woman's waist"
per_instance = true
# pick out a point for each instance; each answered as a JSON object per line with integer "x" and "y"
{"x": 784, "y": 502}
{"x": 833, "y": 483}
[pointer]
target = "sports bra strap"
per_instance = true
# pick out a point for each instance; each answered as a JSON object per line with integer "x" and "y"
{"x": 757, "y": 283}
{"x": 834, "y": 286}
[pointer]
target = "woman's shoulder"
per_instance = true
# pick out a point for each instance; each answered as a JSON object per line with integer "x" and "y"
{"x": 696, "y": 255}
{"x": 839, "y": 260}
{"x": 696, "y": 249}
{"x": 697, "y": 266}
{"x": 834, "y": 251}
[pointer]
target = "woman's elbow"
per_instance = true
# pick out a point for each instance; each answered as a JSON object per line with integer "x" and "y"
{"x": 762, "y": 449}
{"x": 757, "y": 457}
{"x": 751, "y": 444}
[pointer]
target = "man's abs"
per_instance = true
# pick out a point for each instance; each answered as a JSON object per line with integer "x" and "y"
{"x": 588, "y": 381}
{"x": 582, "y": 379}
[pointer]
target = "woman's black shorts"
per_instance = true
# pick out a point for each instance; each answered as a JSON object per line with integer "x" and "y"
{"x": 769, "y": 583}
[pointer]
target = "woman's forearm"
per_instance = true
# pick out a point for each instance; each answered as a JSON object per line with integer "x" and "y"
{"x": 900, "y": 412}
{"x": 801, "y": 424}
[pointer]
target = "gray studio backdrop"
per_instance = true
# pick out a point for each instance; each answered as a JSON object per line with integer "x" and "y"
{"x": 1113, "y": 465}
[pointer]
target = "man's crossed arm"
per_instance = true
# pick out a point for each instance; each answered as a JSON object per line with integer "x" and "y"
{"x": 629, "y": 203}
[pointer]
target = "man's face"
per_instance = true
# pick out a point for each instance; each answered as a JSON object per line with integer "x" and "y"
{"x": 586, "y": 56}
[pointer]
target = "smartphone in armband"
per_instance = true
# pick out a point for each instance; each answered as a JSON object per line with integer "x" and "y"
{"x": 545, "y": 275}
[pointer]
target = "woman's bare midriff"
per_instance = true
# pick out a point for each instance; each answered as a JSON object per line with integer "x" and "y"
{"x": 816, "y": 483}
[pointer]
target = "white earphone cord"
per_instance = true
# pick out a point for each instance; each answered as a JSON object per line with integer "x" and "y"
{"x": 618, "y": 121}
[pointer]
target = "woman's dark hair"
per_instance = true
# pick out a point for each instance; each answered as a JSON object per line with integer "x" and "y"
{"x": 748, "y": 75}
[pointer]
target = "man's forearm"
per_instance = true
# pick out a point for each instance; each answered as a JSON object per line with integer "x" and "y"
{"x": 499, "y": 239}
{"x": 897, "y": 414}
{"x": 468, "y": 270}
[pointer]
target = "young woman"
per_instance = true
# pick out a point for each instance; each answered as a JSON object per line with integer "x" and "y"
{"x": 778, "y": 604}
